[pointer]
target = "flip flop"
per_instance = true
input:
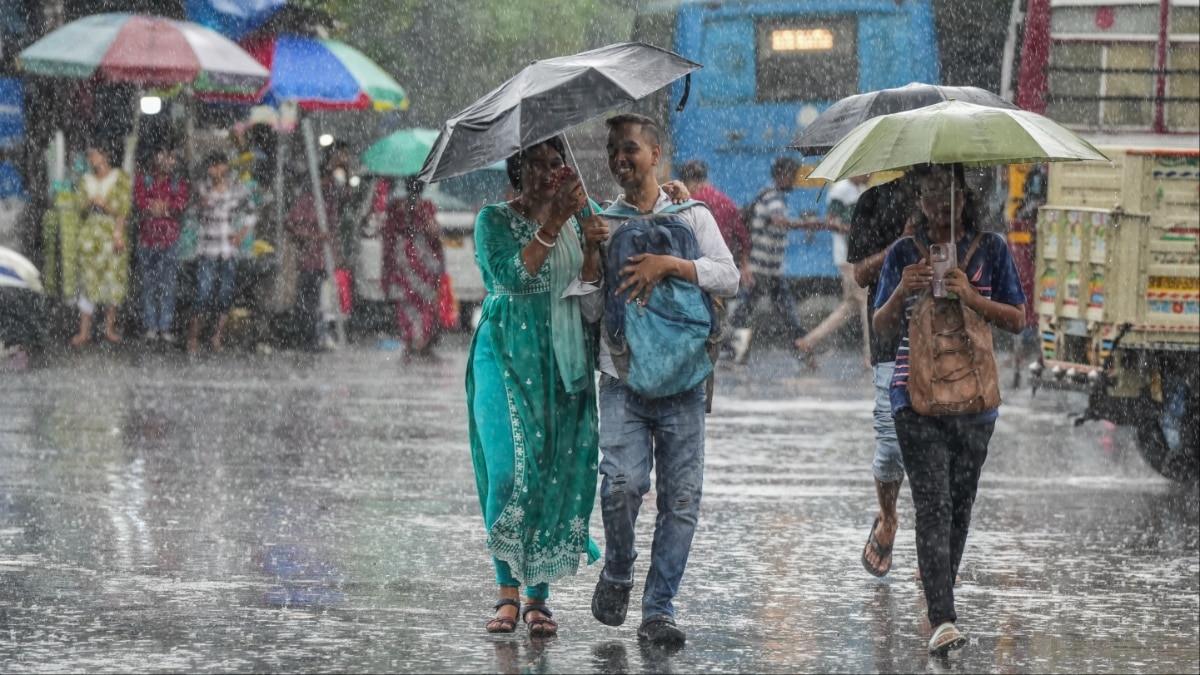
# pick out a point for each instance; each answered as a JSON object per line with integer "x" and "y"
{"x": 883, "y": 553}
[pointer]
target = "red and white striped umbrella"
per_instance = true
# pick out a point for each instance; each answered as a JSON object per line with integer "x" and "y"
{"x": 146, "y": 50}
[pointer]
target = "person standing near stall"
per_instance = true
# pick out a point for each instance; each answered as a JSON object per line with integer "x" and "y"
{"x": 226, "y": 216}
{"x": 105, "y": 196}
{"x": 161, "y": 195}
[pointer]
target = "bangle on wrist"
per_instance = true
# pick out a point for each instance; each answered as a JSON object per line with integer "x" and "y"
{"x": 548, "y": 244}
{"x": 592, "y": 281}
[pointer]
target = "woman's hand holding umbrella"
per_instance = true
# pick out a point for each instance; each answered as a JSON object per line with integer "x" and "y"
{"x": 595, "y": 232}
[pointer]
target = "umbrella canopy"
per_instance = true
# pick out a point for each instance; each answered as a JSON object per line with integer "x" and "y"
{"x": 401, "y": 153}
{"x": 146, "y": 50}
{"x": 952, "y": 132}
{"x": 830, "y": 126}
{"x": 320, "y": 74}
{"x": 232, "y": 18}
{"x": 547, "y": 98}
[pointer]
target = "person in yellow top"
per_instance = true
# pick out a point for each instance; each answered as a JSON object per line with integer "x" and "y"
{"x": 104, "y": 196}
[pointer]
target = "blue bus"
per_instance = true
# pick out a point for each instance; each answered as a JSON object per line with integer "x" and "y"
{"x": 770, "y": 67}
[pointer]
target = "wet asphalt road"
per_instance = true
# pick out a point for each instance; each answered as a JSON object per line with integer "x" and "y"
{"x": 296, "y": 513}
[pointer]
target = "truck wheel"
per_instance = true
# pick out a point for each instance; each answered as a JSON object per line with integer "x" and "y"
{"x": 1182, "y": 465}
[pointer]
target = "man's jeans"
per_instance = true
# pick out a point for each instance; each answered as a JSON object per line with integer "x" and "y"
{"x": 160, "y": 270}
{"x": 214, "y": 284}
{"x": 636, "y": 434}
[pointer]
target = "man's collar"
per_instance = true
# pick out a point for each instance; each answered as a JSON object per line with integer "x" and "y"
{"x": 659, "y": 203}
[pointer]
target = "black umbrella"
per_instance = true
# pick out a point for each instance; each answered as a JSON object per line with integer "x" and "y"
{"x": 545, "y": 99}
{"x": 830, "y": 126}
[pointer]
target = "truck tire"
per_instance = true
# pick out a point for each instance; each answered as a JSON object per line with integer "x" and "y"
{"x": 1183, "y": 465}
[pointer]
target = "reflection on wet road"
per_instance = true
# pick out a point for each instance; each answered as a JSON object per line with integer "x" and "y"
{"x": 289, "y": 513}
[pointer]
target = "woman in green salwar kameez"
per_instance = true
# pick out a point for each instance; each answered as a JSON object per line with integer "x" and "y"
{"x": 531, "y": 393}
{"x": 105, "y": 198}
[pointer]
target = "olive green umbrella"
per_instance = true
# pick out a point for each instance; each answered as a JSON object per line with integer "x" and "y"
{"x": 952, "y": 132}
{"x": 401, "y": 153}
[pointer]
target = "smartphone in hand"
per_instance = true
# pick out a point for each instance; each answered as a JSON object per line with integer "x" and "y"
{"x": 941, "y": 260}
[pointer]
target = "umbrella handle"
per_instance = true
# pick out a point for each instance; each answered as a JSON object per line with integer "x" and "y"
{"x": 587, "y": 207}
{"x": 687, "y": 89}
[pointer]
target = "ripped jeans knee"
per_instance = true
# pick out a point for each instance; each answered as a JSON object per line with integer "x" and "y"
{"x": 619, "y": 482}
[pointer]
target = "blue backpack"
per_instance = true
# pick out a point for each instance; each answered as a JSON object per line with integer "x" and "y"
{"x": 661, "y": 348}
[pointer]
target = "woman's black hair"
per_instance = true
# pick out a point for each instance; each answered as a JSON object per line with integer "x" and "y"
{"x": 513, "y": 165}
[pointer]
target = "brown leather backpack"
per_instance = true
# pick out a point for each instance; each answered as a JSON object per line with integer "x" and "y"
{"x": 951, "y": 364}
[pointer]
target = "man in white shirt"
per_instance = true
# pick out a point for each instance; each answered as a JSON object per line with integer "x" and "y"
{"x": 843, "y": 196}
{"x": 637, "y": 433}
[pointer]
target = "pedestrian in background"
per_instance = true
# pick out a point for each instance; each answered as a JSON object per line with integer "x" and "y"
{"x": 310, "y": 241}
{"x": 694, "y": 175}
{"x": 161, "y": 195}
{"x": 413, "y": 263}
{"x": 226, "y": 215}
{"x": 105, "y": 196}
{"x": 944, "y": 454}
{"x": 843, "y": 196}
{"x": 531, "y": 393}
{"x": 883, "y": 214}
{"x": 763, "y": 275}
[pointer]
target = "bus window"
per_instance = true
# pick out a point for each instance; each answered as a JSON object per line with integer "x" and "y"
{"x": 728, "y": 73}
{"x": 809, "y": 60}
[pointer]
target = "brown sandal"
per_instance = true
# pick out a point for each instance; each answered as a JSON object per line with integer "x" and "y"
{"x": 542, "y": 626}
{"x": 503, "y": 624}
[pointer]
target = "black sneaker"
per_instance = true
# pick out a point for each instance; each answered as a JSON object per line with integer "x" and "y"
{"x": 610, "y": 601}
{"x": 662, "y": 632}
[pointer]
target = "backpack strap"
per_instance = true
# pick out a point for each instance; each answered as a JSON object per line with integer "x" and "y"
{"x": 924, "y": 252}
{"x": 971, "y": 251}
{"x": 627, "y": 212}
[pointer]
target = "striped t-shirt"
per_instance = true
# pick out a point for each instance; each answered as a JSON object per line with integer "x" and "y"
{"x": 992, "y": 273}
{"x": 768, "y": 241}
{"x": 223, "y": 213}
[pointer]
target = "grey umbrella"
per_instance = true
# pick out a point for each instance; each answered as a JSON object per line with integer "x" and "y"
{"x": 830, "y": 126}
{"x": 545, "y": 99}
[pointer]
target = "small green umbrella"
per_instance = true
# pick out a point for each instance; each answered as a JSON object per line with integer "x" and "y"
{"x": 401, "y": 153}
{"x": 952, "y": 132}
